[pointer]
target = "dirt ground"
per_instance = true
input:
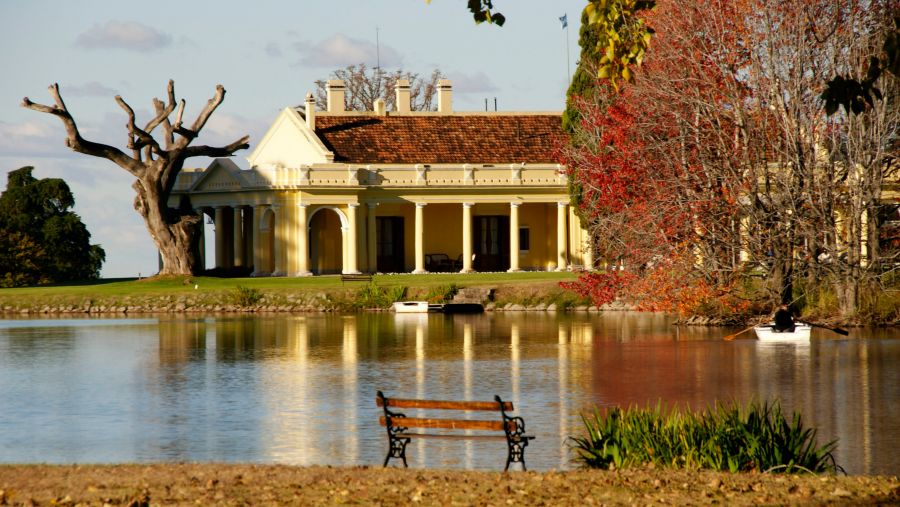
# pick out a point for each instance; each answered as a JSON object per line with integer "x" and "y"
{"x": 228, "y": 484}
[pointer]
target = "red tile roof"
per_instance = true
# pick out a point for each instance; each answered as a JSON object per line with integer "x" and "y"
{"x": 441, "y": 139}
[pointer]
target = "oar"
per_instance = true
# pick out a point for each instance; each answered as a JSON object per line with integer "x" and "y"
{"x": 732, "y": 336}
{"x": 837, "y": 330}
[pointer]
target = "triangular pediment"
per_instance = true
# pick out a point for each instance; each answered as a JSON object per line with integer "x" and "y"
{"x": 289, "y": 142}
{"x": 221, "y": 175}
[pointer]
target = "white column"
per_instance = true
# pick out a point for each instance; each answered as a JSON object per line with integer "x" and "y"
{"x": 420, "y": 238}
{"x": 514, "y": 236}
{"x": 278, "y": 240}
{"x": 220, "y": 237}
{"x": 561, "y": 237}
{"x": 467, "y": 238}
{"x": 247, "y": 228}
{"x": 238, "y": 236}
{"x": 350, "y": 258}
{"x": 258, "y": 212}
{"x": 371, "y": 240}
{"x": 302, "y": 241}
{"x": 201, "y": 246}
{"x": 587, "y": 245}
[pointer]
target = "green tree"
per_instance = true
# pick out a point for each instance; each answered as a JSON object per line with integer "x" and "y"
{"x": 41, "y": 241}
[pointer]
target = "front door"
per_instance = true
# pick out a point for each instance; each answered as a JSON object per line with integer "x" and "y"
{"x": 491, "y": 243}
{"x": 389, "y": 244}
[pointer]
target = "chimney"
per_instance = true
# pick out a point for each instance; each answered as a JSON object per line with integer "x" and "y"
{"x": 378, "y": 107}
{"x": 402, "y": 87}
{"x": 335, "y": 91}
{"x": 445, "y": 96}
{"x": 310, "y": 111}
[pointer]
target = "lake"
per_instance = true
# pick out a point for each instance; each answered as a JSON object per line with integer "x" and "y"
{"x": 300, "y": 389}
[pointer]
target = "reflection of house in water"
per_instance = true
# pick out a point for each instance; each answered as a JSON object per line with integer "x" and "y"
{"x": 392, "y": 191}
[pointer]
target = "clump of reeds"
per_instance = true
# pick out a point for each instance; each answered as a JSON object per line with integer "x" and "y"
{"x": 373, "y": 296}
{"x": 733, "y": 438}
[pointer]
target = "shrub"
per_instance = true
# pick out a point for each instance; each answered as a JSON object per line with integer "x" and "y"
{"x": 373, "y": 296}
{"x": 724, "y": 438}
{"x": 246, "y": 296}
{"x": 441, "y": 293}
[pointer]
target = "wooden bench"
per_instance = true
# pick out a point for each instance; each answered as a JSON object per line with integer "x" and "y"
{"x": 397, "y": 424}
{"x": 358, "y": 277}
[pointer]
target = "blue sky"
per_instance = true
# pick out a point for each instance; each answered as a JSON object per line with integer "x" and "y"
{"x": 267, "y": 55}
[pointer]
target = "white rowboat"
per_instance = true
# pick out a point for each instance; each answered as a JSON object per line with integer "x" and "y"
{"x": 415, "y": 307}
{"x": 766, "y": 333}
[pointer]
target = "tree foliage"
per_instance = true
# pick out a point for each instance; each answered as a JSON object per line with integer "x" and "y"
{"x": 41, "y": 240}
{"x": 721, "y": 160}
{"x": 364, "y": 85}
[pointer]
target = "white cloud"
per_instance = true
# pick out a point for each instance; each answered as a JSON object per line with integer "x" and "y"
{"x": 273, "y": 49}
{"x": 89, "y": 89}
{"x": 340, "y": 51}
{"x": 478, "y": 82}
{"x": 127, "y": 35}
{"x": 36, "y": 138}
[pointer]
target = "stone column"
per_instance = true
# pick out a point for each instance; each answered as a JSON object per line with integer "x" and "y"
{"x": 420, "y": 238}
{"x": 303, "y": 240}
{"x": 247, "y": 227}
{"x": 514, "y": 236}
{"x": 221, "y": 248}
{"x": 350, "y": 259}
{"x": 371, "y": 239}
{"x": 258, "y": 212}
{"x": 467, "y": 238}
{"x": 561, "y": 236}
{"x": 238, "y": 237}
{"x": 278, "y": 240}
{"x": 587, "y": 245}
{"x": 201, "y": 245}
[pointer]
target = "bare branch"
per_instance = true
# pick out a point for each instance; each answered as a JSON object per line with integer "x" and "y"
{"x": 143, "y": 138}
{"x": 188, "y": 135}
{"x": 162, "y": 113}
{"x": 78, "y": 143}
{"x": 213, "y": 151}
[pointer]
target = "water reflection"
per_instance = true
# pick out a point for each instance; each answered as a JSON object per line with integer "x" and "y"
{"x": 300, "y": 389}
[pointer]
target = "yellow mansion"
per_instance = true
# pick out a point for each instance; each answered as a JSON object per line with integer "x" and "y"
{"x": 392, "y": 191}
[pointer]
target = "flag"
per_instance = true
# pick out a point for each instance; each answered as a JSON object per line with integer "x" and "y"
{"x": 564, "y": 20}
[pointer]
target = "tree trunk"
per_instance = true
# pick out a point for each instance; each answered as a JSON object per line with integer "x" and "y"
{"x": 174, "y": 231}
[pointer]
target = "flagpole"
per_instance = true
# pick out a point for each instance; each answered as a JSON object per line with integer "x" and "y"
{"x": 568, "y": 68}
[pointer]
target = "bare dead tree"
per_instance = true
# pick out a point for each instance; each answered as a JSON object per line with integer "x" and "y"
{"x": 156, "y": 168}
{"x": 364, "y": 85}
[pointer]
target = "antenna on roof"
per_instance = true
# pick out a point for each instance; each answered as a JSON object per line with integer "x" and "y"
{"x": 495, "y": 104}
{"x": 377, "y": 50}
{"x": 485, "y": 105}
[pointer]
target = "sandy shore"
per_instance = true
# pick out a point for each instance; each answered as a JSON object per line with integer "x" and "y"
{"x": 215, "y": 484}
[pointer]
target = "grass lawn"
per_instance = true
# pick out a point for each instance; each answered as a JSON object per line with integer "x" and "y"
{"x": 181, "y": 284}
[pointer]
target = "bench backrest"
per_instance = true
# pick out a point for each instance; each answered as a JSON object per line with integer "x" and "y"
{"x": 505, "y": 423}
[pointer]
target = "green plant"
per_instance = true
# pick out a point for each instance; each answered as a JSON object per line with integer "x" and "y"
{"x": 246, "y": 296}
{"x": 373, "y": 296}
{"x": 441, "y": 293}
{"x": 724, "y": 438}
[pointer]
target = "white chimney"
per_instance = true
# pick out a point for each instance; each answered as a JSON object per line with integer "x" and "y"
{"x": 378, "y": 107}
{"x": 402, "y": 87}
{"x": 335, "y": 91}
{"x": 310, "y": 111}
{"x": 445, "y": 96}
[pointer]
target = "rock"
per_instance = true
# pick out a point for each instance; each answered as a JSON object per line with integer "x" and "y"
{"x": 551, "y": 307}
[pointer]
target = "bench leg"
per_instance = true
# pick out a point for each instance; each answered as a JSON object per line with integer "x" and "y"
{"x": 397, "y": 449}
{"x": 516, "y": 454}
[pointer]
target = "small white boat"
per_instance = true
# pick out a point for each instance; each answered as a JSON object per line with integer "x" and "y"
{"x": 766, "y": 333}
{"x": 415, "y": 307}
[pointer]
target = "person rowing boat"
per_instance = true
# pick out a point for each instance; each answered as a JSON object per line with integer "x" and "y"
{"x": 784, "y": 320}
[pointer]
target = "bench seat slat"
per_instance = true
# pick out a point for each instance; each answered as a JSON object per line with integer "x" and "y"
{"x": 446, "y": 405}
{"x": 450, "y": 424}
{"x": 457, "y": 437}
